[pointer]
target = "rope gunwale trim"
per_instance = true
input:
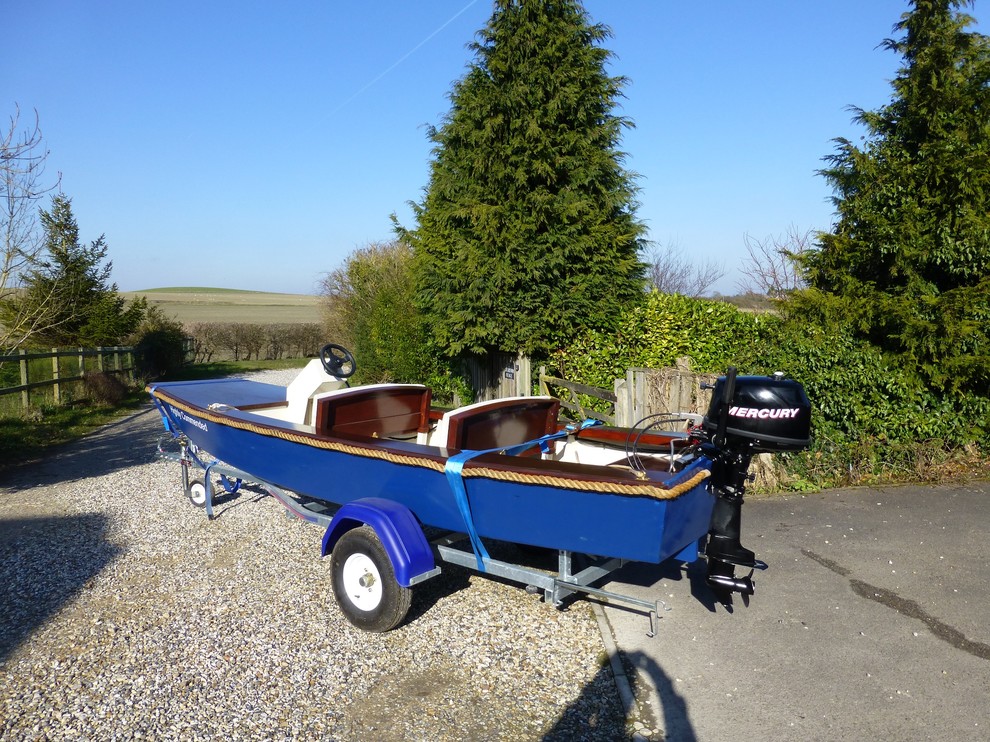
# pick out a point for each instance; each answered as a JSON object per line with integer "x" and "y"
{"x": 655, "y": 490}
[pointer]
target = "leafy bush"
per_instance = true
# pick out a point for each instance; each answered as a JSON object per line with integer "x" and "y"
{"x": 860, "y": 393}
{"x": 368, "y": 305}
{"x": 449, "y": 384}
{"x": 873, "y": 418}
{"x": 159, "y": 344}
{"x": 104, "y": 389}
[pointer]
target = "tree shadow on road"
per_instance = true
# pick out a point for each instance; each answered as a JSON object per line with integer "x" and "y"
{"x": 129, "y": 441}
{"x": 599, "y": 713}
{"x": 676, "y": 723}
{"x": 44, "y": 562}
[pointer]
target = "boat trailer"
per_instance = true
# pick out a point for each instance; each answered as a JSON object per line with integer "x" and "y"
{"x": 198, "y": 473}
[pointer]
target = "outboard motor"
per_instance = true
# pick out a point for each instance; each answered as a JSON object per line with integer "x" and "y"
{"x": 748, "y": 415}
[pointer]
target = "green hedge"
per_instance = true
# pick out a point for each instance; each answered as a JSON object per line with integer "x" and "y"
{"x": 860, "y": 393}
{"x": 655, "y": 334}
{"x": 872, "y": 418}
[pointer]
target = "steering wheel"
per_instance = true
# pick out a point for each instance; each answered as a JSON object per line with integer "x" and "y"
{"x": 337, "y": 361}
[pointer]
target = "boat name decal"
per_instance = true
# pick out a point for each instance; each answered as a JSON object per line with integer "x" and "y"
{"x": 776, "y": 413}
{"x": 188, "y": 418}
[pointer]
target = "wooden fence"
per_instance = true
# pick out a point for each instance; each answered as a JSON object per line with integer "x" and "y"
{"x": 650, "y": 391}
{"x": 643, "y": 392}
{"x": 67, "y": 367}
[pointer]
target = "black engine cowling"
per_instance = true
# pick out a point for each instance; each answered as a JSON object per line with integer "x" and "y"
{"x": 762, "y": 413}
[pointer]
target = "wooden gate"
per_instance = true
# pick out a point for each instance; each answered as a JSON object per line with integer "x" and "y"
{"x": 500, "y": 375}
{"x": 643, "y": 392}
{"x": 648, "y": 391}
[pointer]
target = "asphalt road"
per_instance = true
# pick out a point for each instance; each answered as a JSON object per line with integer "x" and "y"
{"x": 872, "y": 623}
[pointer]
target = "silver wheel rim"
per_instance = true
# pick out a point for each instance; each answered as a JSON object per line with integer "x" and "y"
{"x": 197, "y": 493}
{"x": 362, "y": 582}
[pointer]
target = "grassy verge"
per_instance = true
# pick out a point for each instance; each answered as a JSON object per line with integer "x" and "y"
{"x": 25, "y": 437}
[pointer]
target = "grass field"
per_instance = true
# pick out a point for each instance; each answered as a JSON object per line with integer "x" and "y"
{"x": 190, "y": 304}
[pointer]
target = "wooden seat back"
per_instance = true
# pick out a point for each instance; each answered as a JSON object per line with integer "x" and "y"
{"x": 380, "y": 410}
{"x": 502, "y": 423}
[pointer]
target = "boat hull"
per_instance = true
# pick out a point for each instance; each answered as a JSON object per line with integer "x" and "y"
{"x": 510, "y": 499}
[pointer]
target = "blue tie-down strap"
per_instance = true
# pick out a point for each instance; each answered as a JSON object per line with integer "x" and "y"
{"x": 455, "y": 466}
{"x": 544, "y": 442}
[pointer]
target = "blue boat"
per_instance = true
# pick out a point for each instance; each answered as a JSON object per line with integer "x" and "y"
{"x": 384, "y": 472}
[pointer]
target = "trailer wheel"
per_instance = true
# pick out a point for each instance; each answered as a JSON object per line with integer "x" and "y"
{"x": 197, "y": 493}
{"x": 364, "y": 582}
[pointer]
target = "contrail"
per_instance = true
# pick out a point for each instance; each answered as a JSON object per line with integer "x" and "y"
{"x": 406, "y": 56}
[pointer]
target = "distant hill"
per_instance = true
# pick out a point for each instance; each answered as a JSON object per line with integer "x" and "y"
{"x": 202, "y": 290}
{"x": 190, "y": 304}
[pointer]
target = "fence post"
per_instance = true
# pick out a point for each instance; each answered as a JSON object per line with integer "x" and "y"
{"x": 56, "y": 387}
{"x": 82, "y": 362}
{"x": 637, "y": 403}
{"x": 631, "y": 397}
{"x": 116, "y": 359}
{"x": 623, "y": 418}
{"x": 643, "y": 384}
{"x": 524, "y": 376}
{"x": 99, "y": 358}
{"x": 25, "y": 393}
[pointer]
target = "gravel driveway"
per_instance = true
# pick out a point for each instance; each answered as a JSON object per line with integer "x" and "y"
{"x": 125, "y": 614}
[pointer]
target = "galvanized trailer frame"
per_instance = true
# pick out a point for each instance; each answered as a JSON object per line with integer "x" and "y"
{"x": 556, "y": 587}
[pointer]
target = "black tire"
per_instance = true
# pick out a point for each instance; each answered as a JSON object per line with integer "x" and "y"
{"x": 364, "y": 582}
{"x": 197, "y": 493}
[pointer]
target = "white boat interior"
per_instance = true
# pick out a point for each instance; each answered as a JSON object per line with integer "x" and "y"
{"x": 325, "y": 404}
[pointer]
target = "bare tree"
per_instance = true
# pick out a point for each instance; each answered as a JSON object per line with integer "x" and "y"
{"x": 208, "y": 340}
{"x": 338, "y": 306}
{"x": 22, "y": 167}
{"x": 670, "y": 271}
{"x": 352, "y": 292}
{"x": 773, "y": 267}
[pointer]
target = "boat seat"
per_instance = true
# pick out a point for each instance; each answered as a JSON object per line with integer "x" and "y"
{"x": 377, "y": 410}
{"x": 499, "y": 423}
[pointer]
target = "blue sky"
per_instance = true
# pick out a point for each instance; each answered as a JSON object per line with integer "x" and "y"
{"x": 254, "y": 145}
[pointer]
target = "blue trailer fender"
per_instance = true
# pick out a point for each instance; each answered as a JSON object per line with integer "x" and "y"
{"x": 397, "y": 529}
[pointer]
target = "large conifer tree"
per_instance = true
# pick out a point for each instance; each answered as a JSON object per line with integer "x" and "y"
{"x": 527, "y": 231}
{"x": 909, "y": 258}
